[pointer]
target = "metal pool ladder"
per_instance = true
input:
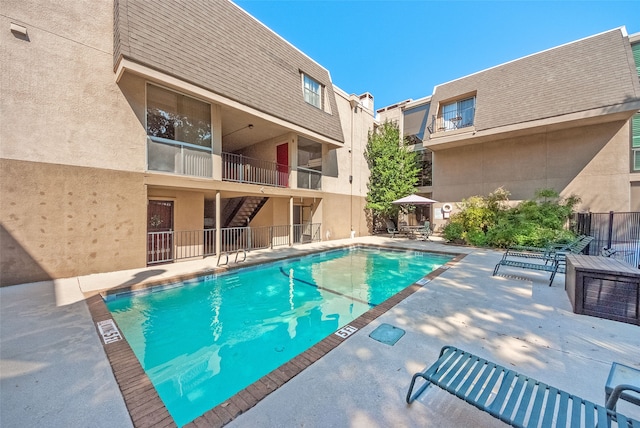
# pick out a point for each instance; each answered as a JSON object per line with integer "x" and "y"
{"x": 226, "y": 255}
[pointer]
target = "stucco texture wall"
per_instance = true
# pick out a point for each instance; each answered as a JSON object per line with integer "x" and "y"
{"x": 60, "y": 102}
{"x": 339, "y": 164}
{"x": 337, "y": 212}
{"x": 589, "y": 161}
{"x": 61, "y": 221}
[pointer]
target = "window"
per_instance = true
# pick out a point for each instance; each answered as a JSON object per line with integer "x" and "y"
{"x": 456, "y": 115}
{"x": 176, "y": 117}
{"x": 635, "y": 143}
{"x": 415, "y": 123}
{"x": 425, "y": 159}
{"x": 309, "y": 164}
{"x": 312, "y": 91}
{"x": 179, "y": 133}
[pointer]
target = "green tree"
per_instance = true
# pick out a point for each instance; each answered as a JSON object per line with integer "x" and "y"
{"x": 393, "y": 170}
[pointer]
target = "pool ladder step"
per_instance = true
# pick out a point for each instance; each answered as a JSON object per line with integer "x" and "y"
{"x": 226, "y": 254}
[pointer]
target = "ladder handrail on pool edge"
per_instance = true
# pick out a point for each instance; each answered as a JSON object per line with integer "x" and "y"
{"x": 226, "y": 254}
{"x": 244, "y": 252}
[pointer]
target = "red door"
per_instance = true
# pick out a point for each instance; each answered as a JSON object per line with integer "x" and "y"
{"x": 282, "y": 158}
{"x": 160, "y": 231}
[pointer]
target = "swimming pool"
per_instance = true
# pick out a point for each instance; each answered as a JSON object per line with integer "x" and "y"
{"x": 202, "y": 341}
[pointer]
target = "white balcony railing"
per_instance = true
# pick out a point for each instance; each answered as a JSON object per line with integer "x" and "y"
{"x": 309, "y": 179}
{"x": 164, "y": 247}
{"x": 178, "y": 158}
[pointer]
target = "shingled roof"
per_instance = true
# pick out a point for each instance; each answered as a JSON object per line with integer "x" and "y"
{"x": 216, "y": 45}
{"x": 595, "y": 72}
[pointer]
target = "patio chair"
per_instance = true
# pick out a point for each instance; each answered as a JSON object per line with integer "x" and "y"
{"x": 514, "y": 398}
{"x": 391, "y": 228}
{"x": 425, "y": 232}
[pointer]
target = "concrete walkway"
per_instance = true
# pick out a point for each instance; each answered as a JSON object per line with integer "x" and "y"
{"x": 54, "y": 371}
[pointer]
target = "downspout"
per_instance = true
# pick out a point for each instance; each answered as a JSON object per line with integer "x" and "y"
{"x": 354, "y": 106}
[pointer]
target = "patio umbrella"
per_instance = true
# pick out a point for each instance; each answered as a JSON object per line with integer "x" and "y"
{"x": 413, "y": 199}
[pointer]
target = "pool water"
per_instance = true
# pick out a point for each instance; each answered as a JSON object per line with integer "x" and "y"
{"x": 203, "y": 341}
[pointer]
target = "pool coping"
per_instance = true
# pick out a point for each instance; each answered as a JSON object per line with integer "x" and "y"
{"x": 145, "y": 406}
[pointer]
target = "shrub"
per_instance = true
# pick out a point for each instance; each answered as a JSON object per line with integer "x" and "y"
{"x": 453, "y": 231}
{"x": 490, "y": 221}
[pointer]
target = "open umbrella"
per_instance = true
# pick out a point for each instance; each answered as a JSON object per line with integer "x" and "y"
{"x": 413, "y": 200}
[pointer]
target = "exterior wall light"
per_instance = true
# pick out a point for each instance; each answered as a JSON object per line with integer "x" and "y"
{"x": 19, "y": 30}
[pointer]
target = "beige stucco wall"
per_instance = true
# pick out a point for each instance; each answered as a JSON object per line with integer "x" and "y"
{"x": 590, "y": 161}
{"x": 339, "y": 164}
{"x": 337, "y": 212}
{"x": 59, "y": 221}
{"x": 60, "y": 103}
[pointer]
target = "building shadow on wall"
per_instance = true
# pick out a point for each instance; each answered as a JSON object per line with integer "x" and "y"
{"x": 17, "y": 266}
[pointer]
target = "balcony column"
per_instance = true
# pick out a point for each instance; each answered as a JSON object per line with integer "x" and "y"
{"x": 290, "y": 220}
{"x": 218, "y": 228}
{"x": 293, "y": 162}
{"x": 216, "y": 144}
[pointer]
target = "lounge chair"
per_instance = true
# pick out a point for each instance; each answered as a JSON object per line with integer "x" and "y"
{"x": 550, "y": 259}
{"x": 520, "y": 400}
{"x": 391, "y": 228}
{"x": 547, "y": 253}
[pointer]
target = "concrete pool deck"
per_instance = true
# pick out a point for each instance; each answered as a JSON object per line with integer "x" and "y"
{"x": 54, "y": 371}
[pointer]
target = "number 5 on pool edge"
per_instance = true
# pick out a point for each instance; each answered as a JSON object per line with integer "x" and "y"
{"x": 346, "y": 331}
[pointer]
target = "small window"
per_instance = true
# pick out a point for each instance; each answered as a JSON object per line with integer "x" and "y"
{"x": 635, "y": 143}
{"x": 312, "y": 91}
{"x": 458, "y": 114}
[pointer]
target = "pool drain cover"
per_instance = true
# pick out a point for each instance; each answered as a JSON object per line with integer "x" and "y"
{"x": 388, "y": 334}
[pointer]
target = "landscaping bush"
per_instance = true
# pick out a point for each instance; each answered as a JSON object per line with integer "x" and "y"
{"x": 489, "y": 221}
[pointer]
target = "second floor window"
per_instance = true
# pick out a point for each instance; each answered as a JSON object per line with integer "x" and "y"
{"x": 312, "y": 91}
{"x": 178, "y": 133}
{"x": 177, "y": 117}
{"x": 458, "y": 114}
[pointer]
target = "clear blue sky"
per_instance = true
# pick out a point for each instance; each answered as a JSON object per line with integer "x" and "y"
{"x": 401, "y": 49}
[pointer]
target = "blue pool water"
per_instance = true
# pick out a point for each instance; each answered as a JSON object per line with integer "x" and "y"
{"x": 203, "y": 341}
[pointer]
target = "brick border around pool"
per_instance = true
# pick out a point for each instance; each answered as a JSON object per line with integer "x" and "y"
{"x": 147, "y": 409}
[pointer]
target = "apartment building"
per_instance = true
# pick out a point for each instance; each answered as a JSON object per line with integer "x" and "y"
{"x": 137, "y": 132}
{"x": 557, "y": 119}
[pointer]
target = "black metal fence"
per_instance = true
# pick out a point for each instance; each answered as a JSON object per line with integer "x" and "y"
{"x": 615, "y": 230}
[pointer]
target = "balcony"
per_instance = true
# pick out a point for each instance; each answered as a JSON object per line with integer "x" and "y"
{"x": 178, "y": 158}
{"x": 309, "y": 179}
{"x": 243, "y": 169}
{"x": 452, "y": 120}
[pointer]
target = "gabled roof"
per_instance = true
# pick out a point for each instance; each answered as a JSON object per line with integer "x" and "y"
{"x": 216, "y": 45}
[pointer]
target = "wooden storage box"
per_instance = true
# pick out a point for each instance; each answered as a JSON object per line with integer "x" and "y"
{"x": 603, "y": 287}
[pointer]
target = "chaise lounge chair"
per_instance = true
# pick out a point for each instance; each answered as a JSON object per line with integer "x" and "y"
{"x": 518, "y": 400}
{"x": 550, "y": 259}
